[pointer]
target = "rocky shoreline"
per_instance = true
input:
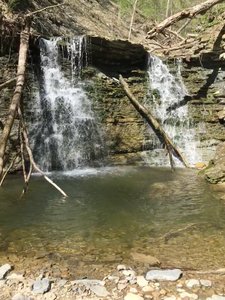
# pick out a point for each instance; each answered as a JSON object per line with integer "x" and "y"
{"x": 122, "y": 283}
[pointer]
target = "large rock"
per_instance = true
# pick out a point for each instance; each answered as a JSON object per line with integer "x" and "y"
{"x": 41, "y": 286}
{"x": 4, "y": 270}
{"x": 99, "y": 290}
{"x": 215, "y": 173}
{"x": 164, "y": 275}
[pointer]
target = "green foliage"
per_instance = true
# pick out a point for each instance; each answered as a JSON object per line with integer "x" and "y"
{"x": 19, "y": 5}
{"x": 155, "y": 9}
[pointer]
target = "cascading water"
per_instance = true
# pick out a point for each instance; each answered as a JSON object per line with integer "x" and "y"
{"x": 167, "y": 93}
{"x": 64, "y": 132}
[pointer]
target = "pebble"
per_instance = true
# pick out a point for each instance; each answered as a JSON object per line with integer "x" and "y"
{"x": 15, "y": 276}
{"x": 41, "y": 286}
{"x": 99, "y": 290}
{"x": 133, "y": 290}
{"x": 164, "y": 275}
{"x": 216, "y": 297}
{"x": 121, "y": 267}
{"x": 131, "y": 296}
{"x": 20, "y": 297}
{"x": 206, "y": 283}
{"x": 170, "y": 298}
{"x": 147, "y": 289}
{"x": 141, "y": 281}
{"x": 186, "y": 295}
{"x": 129, "y": 273}
{"x": 192, "y": 283}
{"x": 145, "y": 259}
{"x": 4, "y": 270}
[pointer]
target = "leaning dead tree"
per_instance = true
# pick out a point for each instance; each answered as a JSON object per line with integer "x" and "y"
{"x": 15, "y": 110}
{"x": 24, "y": 44}
{"x": 187, "y": 13}
{"x": 147, "y": 115}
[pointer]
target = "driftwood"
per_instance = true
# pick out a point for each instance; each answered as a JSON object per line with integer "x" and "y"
{"x": 7, "y": 83}
{"x": 170, "y": 146}
{"x": 187, "y": 13}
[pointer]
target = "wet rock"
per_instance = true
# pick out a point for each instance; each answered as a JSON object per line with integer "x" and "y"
{"x": 192, "y": 283}
{"x": 141, "y": 281}
{"x": 99, "y": 290}
{"x": 21, "y": 297}
{"x": 4, "y": 270}
{"x": 164, "y": 275}
{"x": 145, "y": 259}
{"x": 200, "y": 165}
{"x": 131, "y": 296}
{"x": 206, "y": 283}
{"x": 41, "y": 286}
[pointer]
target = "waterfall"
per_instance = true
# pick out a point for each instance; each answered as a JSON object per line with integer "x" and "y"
{"x": 63, "y": 131}
{"x": 167, "y": 92}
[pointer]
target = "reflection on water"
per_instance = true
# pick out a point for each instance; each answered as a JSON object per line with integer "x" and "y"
{"x": 111, "y": 212}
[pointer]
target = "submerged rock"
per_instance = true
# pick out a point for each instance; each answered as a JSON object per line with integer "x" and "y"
{"x": 4, "y": 270}
{"x": 41, "y": 286}
{"x": 145, "y": 259}
{"x": 164, "y": 275}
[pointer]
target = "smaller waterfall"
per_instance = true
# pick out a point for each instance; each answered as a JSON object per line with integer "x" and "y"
{"x": 64, "y": 130}
{"x": 167, "y": 93}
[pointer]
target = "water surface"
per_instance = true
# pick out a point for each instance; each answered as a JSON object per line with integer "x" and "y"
{"x": 113, "y": 212}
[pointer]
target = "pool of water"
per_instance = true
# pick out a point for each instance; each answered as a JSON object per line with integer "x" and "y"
{"x": 113, "y": 212}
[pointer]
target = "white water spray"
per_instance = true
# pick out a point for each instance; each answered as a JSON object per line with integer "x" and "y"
{"x": 167, "y": 93}
{"x": 65, "y": 133}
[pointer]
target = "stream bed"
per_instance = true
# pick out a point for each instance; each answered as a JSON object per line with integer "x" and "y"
{"x": 111, "y": 213}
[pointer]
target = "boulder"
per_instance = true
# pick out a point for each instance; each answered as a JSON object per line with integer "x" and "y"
{"x": 164, "y": 275}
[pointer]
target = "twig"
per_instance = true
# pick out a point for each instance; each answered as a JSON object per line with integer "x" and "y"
{"x": 8, "y": 169}
{"x": 7, "y": 83}
{"x": 185, "y": 24}
{"x": 42, "y": 9}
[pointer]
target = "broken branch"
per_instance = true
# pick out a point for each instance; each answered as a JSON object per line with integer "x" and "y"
{"x": 187, "y": 13}
{"x": 171, "y": 147}
{"x": 7, "y": 83}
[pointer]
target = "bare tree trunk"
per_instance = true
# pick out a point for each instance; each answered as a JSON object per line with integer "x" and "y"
{"x": 171, "y": 147}
{"x": 132, "y": 18}
{"x": 187, "y": 13}
{"x": 24, "y": 43}
{"x": 167, "y": 8}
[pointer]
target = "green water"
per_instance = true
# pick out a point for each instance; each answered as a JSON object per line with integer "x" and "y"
{"x": 113, "y": 212}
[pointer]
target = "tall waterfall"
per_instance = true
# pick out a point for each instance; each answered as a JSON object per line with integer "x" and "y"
{"x": 167, "y": 93}
{"x": 64, "y": 132}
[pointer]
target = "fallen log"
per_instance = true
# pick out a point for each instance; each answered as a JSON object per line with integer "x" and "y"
{"x": 170, "y": 146}
{"x": 24, "y": 43}
{"x": 186, "y": 13}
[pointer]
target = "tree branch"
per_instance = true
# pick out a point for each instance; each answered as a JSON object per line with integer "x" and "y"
{"x": 187, "y": 13}
{"x": 43, "y": 9}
